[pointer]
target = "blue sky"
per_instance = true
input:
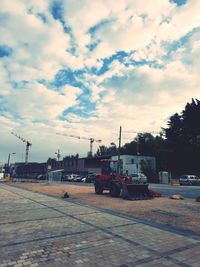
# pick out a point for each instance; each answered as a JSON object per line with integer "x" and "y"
{"x": 86, "y": 67}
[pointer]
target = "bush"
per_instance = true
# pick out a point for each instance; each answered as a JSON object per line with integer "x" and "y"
{"x": 147, "y": 169}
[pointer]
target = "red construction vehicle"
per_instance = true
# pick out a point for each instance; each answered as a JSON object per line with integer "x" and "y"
{"x": 118, "y": 184}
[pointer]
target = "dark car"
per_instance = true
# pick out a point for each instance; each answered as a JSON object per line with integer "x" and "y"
{"x": 189, "y": 180}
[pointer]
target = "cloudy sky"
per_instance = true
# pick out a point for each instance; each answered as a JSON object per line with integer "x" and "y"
{"x": 84, "y": 68}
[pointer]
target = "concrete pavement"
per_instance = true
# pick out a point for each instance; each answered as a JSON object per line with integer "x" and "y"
{"x": 38, "y": 230}
{"x": 186, "y": 191}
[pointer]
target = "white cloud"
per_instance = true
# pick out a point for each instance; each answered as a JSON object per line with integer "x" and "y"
{"x": 36, "y": 102}
{"x": 39, "y": 49}
{"x": 131, "y": 25}
{"x": 7, "y": 122}
{"x": 138, "y": 97}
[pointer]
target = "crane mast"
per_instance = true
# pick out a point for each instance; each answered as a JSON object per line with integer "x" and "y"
{"x": 92, "y": 140}
{"x": 28, "y": 144}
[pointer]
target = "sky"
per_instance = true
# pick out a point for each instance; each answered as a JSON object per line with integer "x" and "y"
{"x": 85, "y": 68}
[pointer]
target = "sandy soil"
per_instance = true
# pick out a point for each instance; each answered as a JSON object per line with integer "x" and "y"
{"x": 183, "y": 214}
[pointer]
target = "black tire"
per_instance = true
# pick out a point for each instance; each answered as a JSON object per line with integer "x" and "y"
{"x": 98, "y": 187}
{"x": 114, "y": 190}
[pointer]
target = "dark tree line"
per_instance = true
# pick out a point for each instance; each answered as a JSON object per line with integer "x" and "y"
{"x": 183, "y": 137}
{"x": 177, "y": 148}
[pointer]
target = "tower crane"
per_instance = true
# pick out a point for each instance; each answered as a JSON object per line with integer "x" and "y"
{"x": 28, "y": 144}
{"x": 92, "y": 140}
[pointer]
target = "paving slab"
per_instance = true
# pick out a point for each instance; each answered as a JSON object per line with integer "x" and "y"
{"x": 39, "y": 230}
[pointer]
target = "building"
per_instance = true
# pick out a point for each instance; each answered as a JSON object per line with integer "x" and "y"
{"x": 68, "y": 165}
{"x": 132, "y": 163}
{"x": 78, "y": 165}
{"x": 28, "y": 170}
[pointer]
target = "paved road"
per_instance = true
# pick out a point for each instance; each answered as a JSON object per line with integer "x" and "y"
{"x": 185, "y": 191}
{"x": 167, "y": 190}
{"x": 38, "y": 230}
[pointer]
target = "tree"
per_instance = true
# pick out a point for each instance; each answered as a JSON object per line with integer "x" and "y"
{"x": 191, "y": 121}
{"x": 178, "y": 151}
{"x": 185, "y": 128}
{"x": 147, "y": 169}
{"x": 183, "y": 136}
{"x": 174, "y": 132}
{"x": 107, "y": 151}
{"x": 50, "y": 161}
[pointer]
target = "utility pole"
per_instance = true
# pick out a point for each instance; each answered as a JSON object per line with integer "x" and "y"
{"x": 9, "y": 157}
{"x": 138, "y": 154}
{"x": 119, "y": 148}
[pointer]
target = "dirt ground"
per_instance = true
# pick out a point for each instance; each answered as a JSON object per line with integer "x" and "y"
{"x": 183, "y": 214}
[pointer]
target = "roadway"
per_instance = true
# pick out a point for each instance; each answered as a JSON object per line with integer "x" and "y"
{"x": 164, "y": 189}
{"x": 185, "y": 191}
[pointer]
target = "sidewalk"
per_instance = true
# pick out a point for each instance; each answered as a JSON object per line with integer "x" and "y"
{"x": 38, "y": 230}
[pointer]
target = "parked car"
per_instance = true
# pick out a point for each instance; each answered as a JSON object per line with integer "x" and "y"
{"x": 65, "y": 177}
{"x": 139, "y": 178}
{"x": 189, "y": 180}
{"x": 89, "y": 178}
{"x": 77, "y": 178}
{"x": 70, "y": 177}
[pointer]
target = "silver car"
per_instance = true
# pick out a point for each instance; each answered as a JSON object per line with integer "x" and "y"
{"x": 189, "y": 180}
{"x": 139, "y": 178}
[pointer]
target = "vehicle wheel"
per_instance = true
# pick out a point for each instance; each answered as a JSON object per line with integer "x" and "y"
{"x": 98, "y": 187}
{"x": 114, "y": 190}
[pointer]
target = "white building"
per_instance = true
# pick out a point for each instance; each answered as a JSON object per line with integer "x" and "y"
{"x": 132, "y": 163}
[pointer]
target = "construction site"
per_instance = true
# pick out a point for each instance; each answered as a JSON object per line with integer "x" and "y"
{"x": 96, "y": 211}
{"x": 65, "y": 224}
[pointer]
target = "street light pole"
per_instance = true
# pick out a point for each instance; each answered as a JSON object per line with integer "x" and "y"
{"x": 9, "y": 157}
{"x": 138, "y": 153}
{"x": 119, "y": 148}
{"x": 8, "y": 168}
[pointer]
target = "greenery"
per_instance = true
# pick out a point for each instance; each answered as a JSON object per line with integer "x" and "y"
{"x": 176, "y": 148}
{"x": 147, "y": 169}
{"x": 183, "y": 137}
